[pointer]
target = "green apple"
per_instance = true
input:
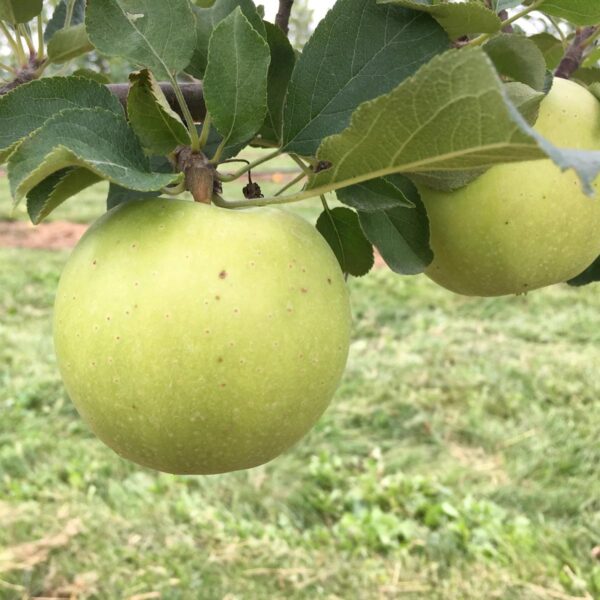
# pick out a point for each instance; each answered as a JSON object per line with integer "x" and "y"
{"x": 526, "y": 225}
{"x": 194, "y": 339}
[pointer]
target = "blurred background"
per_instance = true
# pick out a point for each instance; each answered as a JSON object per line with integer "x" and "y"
{"x": 459, "y": 458}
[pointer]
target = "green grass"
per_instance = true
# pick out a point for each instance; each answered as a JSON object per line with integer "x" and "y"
{"x": 460, "y": 459}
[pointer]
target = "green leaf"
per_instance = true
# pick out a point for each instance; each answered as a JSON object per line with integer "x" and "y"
{"x": 206, "y": 21}
{"x": 59, "y": 16}
{"x": 592, "y": 59}
{"x": 67, "y": 44}
{"x": 54, "y": 190}
{"x": 93, "y": 75}
{"x": 235, "y": 85}
{"x": 453, "y": 115}
{"x": 361, "y": 50}
{"x": 587, "y": 76}
{"x": 156, "y": 124}
{"x": 283, "y": 59}
{"x": 19, "y": 11}
{"x": 595, "y": 89}
{"x": 578, "y": 12}
{"x": 214, "y": 142}
{"x": 519, "y": 58}
{"x": 457, "y": 19}
{"x": 156, "y": 34}
{"x": 29, "y": 106}
{"x": 526, "y": 100}
{"x": 95, "y": 139}
{"x": 590, "y": 275}
{"x": 377, "y": 194}
{"x": 341, "y": 229}
{"x": 401, "y": 234}
{"x": 551, "y": 48}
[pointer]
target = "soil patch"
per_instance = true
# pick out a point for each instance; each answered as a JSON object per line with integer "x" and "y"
{"x": 47, "y": 236}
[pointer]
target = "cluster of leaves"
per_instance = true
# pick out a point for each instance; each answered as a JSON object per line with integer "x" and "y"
{"x": 386, "y": 95}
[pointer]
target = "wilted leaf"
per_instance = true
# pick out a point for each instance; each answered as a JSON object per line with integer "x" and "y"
{"x": 358, "y": 52}
{"x": 341, "y": 229}
{"x": 235, "y": 85}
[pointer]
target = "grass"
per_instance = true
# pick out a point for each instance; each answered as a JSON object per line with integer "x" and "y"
{"x": 459, "y": 460}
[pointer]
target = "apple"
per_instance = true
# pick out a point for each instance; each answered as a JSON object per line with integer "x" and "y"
{"x": 194, "y": 339}
{"x": 521, "y": 226}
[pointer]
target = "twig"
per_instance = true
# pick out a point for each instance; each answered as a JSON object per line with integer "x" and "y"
{"x": 574, "y": 55}
{"x": 282, "y": 20}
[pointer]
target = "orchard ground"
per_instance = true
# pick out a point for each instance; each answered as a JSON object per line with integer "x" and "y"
{"x": 459, "y": 459}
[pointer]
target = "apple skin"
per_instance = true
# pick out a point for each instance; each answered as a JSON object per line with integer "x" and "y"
{"x": 197, "y": 340}
{"x": 521, "y": 226}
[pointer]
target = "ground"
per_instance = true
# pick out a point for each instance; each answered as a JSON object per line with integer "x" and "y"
{"x": 458, "y": 460}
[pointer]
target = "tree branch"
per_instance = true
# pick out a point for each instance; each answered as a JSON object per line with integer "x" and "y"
{"x": 574, "y": 54}
{"x": 192, "y": 92}
{"x": 282, "y": 20}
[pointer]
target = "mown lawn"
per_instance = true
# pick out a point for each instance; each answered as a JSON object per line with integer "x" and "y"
{"x": 460, "y": 459}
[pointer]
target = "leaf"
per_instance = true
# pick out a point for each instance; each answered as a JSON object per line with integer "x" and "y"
{"x": 283, "y": 59}
{"x": 215, "y": 140}
{"x": 587, "y": 76}
{"x": 235, "y": 84}
{"x": 156, "y": 34}
{"x": 361, "y": 50}
{"x": 67, "y": 44}
{"x": 453, "y": 115}
{"x": 95, "y": 139}
{"x": 93, "y": 75}
{"x": 551, "y": 48}
{"x": 206, "y": 21}
{"x": 578, "y": 12}
{"x": 156, "y": 124}
{"x": 519, "y": 58}
{"x": 590, "y": 275}
{"x": 400, "y": 234}
{"x": 526, "y": 100}
{"x": 457, "y": 19}
{"x": 595, "y": 89}
{"x": 19, "y": 11}
{"x": 59, "y": 16}
{"x": 341, "y": 229}
{"x": 377, "y": 194}
{"x": 28, "y": 106}
{"x": 54, "y": 190}
{"x": 118, "y": 194}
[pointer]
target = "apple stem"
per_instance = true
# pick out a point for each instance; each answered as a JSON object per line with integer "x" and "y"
{"x": 199, "y": 174}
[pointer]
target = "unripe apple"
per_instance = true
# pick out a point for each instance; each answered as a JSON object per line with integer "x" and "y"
{"x": 521, "y": 226}
{"x": 194, "y": 339}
